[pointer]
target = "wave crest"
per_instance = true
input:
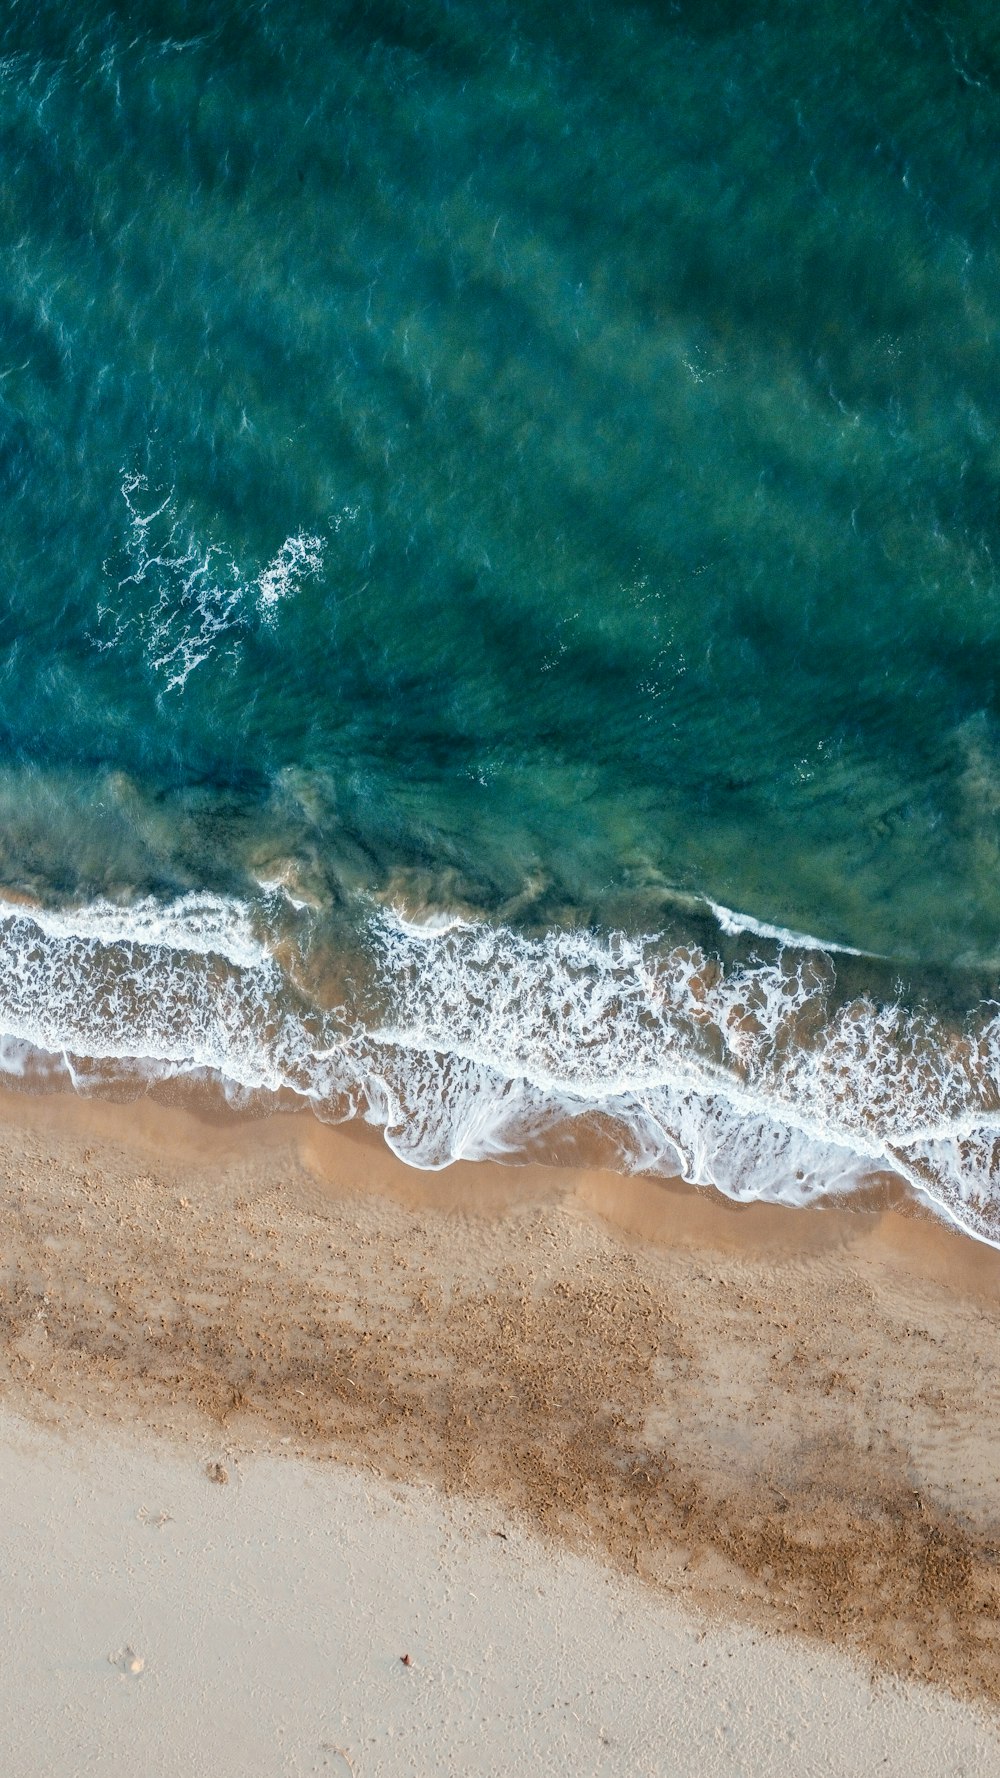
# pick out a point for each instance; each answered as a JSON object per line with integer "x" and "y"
{"x": 749, "y": 1078}
{"x": 186, "y": 601}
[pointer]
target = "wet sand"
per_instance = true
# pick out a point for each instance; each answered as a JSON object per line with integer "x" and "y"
{"x": 780, "y": 1420}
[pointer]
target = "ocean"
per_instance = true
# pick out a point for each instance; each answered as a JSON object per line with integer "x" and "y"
{"x": 500, "y": 609}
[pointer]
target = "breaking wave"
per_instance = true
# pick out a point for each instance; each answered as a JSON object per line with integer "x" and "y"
{"x": 187, "y": 602}
{"x": 752, "y": 1078}
{"x": 734, "y": 924}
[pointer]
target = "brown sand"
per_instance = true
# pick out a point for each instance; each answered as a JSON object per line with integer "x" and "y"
{"x": 787, "y": 1417}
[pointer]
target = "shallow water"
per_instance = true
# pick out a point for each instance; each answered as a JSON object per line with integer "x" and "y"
{"x": 530, "y": 467}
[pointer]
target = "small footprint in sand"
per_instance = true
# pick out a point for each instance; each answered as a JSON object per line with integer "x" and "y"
{"x": 127, "y": 1661}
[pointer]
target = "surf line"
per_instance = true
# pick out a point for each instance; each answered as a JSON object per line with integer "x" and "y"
{"x": 733, "y": 924}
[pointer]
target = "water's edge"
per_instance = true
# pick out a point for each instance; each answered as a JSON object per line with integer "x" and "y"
{"x": 465, "y": 1040}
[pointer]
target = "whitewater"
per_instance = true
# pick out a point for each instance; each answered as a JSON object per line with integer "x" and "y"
{"x": 750, "y": 1078}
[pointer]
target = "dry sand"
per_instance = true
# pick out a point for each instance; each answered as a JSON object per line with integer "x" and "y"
{"x": 784, "y": 1420}
{"x": 270, "y": 1617}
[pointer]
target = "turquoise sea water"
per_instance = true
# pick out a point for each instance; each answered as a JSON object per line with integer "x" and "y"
{"x": 500, "y": 610}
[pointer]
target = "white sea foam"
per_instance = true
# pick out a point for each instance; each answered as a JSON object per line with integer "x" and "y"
{"x": 280, "y": 886}
{"x": 299, "y": 558}
{"x": 206, "y": 925}
{"x": 431, "y": 925}
{"x": 191, "y": 602}
{"x": 734, "y": 924}
{"x": 750, "y": 1079}
{"x": 184, "y": 987}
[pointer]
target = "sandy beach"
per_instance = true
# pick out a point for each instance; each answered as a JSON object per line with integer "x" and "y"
{"x": 156, "y": 1622}
{"x": 777, "y": 1428}
{"x": 499, "y": 647}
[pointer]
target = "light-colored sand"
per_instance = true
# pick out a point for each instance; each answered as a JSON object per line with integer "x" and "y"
{"x": 787, "y": 1421}
{"x": 270, "y": 1615}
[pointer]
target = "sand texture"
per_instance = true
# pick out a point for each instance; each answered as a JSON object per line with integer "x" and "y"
{"x": 786, "y": 1420}
{"x": 154, "y": 1623}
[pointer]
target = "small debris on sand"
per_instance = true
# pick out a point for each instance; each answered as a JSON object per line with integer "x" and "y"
{"x": 217, "y": 1472}
{"x": 406, "y": 1660}
{"x": 329, "y": 1747}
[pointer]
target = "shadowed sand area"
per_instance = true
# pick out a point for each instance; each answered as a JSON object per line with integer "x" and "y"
{"x": 787, "y": 1418}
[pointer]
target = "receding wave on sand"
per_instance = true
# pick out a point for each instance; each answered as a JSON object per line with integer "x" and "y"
{"x": 751, "y": 1077}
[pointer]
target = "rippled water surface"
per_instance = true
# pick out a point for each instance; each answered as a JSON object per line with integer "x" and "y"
{"x": 498, "y": 605}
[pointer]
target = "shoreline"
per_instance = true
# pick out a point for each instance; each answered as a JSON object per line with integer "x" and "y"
{"x": 761, "y": 1074}
{"x": 783, "y": 1418}
{"x": 888, "y": 1220}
